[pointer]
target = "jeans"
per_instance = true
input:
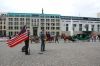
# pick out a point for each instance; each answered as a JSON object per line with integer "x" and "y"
{"x": 42, "y": 45}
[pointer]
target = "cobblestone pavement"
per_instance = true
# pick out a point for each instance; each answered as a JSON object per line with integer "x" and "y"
{"x": 62, "y": 54}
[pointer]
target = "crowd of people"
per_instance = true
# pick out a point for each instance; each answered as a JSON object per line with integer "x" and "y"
{"x": 57, "y": 37}
{"x": 47, "y": 37}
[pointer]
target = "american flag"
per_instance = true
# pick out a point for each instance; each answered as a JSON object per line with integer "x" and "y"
{"x": 22, "y": 36}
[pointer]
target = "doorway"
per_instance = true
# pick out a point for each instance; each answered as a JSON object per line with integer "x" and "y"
{"x": 35, "y": 29}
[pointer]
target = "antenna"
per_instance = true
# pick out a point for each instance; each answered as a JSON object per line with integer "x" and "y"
{"x": 42, "y": 11}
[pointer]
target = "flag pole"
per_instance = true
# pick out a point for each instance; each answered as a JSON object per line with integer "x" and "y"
{"x": 71, "y": 31}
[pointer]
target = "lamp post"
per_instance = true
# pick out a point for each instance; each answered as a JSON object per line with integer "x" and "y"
{"x": 71, "y": 30}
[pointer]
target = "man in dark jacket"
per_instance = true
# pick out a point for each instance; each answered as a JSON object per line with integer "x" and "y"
{"x": 26, "y": 47}
{"x": 27, "y": 52}
{"x": 42, "y": 37}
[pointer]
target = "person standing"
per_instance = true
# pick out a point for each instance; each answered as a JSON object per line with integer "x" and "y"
{"x": 42, "y": 37}
{"x": 99, "y": 37}
{"x": 56, "y": 38}
{"x": 27, "y": 52}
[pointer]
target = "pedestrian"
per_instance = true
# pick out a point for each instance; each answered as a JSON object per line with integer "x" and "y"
{"x": 56, "y": 38}
{"x": 99, "y": 37}
{"x": 27, "y": 52}
{"x": 42, "y": 37}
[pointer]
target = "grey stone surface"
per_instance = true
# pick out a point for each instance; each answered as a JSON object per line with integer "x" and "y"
{"x": 62, "y": 54}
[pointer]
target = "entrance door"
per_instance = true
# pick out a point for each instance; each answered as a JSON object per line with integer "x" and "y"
{"x": 0, "y": 33}
{"x": 35, "y": 31}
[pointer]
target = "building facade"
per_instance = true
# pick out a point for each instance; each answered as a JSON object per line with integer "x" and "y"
{"x": 12, "y": 23}
{"x": 73, "y": 25}
{"x": 2, "y": 24}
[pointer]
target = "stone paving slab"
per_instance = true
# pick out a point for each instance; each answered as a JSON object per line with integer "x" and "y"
{"x": 62, "y": 54}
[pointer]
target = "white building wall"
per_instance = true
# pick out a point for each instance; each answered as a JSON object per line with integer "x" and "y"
{"x": 62, "y": 22}
{"x": 77, "y": 22}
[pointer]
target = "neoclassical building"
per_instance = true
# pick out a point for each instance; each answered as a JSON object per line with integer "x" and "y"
{"x": 74, "y": 24}
{"x": 12, "y": 23}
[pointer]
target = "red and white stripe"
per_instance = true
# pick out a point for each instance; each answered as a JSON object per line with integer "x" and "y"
{"x": 17, "y": 39}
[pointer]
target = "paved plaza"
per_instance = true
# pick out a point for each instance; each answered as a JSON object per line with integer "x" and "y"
{"x": 62, "y": 54}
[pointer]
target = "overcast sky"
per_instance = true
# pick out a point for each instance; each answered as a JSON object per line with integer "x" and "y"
{"x": 86, "y": 8}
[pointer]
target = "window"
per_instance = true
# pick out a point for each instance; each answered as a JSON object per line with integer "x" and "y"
{"x": 42, "y": 24}
{"x": 10, "y": 23}
{"x": 52, "y": 24}
{"x": 57, "y": 28}
{"x": 67, "y": 27}
{"x": 80, "y": 27}
{"x": 57, "y": 24}
{"x": 27, "y": 19}
{"x": 10, "y": 33}
{"x": 16, "y": 23}
{"x": 52, "y": 16}
{"x": 42, "y": 28}
{"x": 10, "y": 27}
{"x": 21, "y": 19}
{"x": 37, "y": 20}
{"x": 87, "y": 27}
{"x": 10, "y": 19}
{"x": 57, "y": 16}
{"x": 52, "y": 28}
{"x": 47, "y": 20}
{"x": 74, "y": 25}
{"x": 4, "y": 27}
{"x": 21, "y": 27}
{"x": 57, "y": 20}
{"x": 47, "y": 16}
{"x": 15, "y": 19}
{"x": 92, "y": 27}
{"x": 16, "y": 33}
{"x": 34, "y": 20}
{"x": 52, "y": 20}
{"x": 47, "y": 28}
{"x": 4, "y": 22}
{"x": 21, "y": 23}
{"x": 98, "y": 28}
{"x": 42, "y": 20}
{"x": 16, "y": 27}
{"x": 47, "y": 24}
